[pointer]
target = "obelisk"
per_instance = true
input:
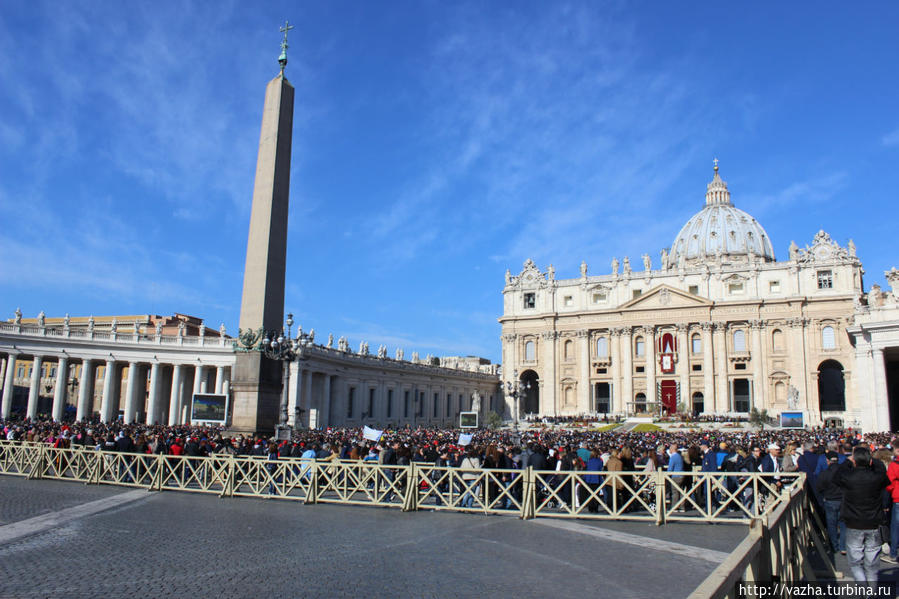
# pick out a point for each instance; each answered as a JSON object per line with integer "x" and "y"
{"x": 256, "y": 381}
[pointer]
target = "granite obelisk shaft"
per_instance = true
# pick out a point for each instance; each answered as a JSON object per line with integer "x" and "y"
{"x": 256, "y": 383}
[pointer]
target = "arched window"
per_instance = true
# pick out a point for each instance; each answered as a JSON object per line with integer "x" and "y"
{"x": 777, "y": 340}
{"x": 828, "y": 340}
{"x": 739, "y": 340}
{"x": 639, "y": 347}
{"x": 602, "y": 347}
{"x": 831, "y": 387}
{"x": 529, "y": 353}
{"x": 569, "y": 350}
{"x": 696, "y": 343}
{"x": 698, "y": 403}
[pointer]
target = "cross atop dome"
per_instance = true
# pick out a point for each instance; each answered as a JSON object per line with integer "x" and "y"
{"x": 282, "y": 60}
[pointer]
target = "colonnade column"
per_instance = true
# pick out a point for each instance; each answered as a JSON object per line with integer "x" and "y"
{"x": 108, "y": 410}
{"x": 219, "y": 379}
{"x": 757, "y": 360}
{"x": 293, "y": 392}
{"x": 583, "y": 385}
{"x": 131, "y": 393}
{"x": 719, "y": 343}
{"x": 879, "y": 386}
{"x": 59, "y": 394}
{"x": 226, "y": 381}
{"x": 315, "y": 412}
{"x": 199, "y": 371}
{"x": 34, "y": 390}
{"x": 326, "y": 401}
{"x": 85, "y": 389}
{"x": 710, "y": 402}
{"x": 175, "y": 401}
{"x": 3, "y": 365}
{"x": 627, "y": 369}
{"x": 649, "y": 345}
{"x": 153, "y": 400}
{"x": 683, "y": 367}
{"x": 8, "y": 384}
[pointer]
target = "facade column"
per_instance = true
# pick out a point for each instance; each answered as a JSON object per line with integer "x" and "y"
{"x": 108, "y": 411}
{"x": 615, "y": 401}
{"x": 757, "y": 360}
{"x": 719, "y": 347}
{"x": 710, "y": 403}
{"x": 131, "y": 393}
{"x": 199, "y": 372}
{"x": 9, "y": 382}
{"x": 219, "y": 379}
{"x": 510, "y": 365}
{"x": 583, "y": 386}
{"x": 35, "y": 389}
{"x": 683, "y": 366}
{"x": 3, "y": 364}
{"x": 153, "y": 400}
{"x": 548, "y": 382}
{"x": 880, "y": 395}
{"x": 649, "y": 345}
{"x": 59, "y": 394}
{"x": 627, "y": 369}
{"x": 175, "y": 400}
{"x": 85, "y": 390}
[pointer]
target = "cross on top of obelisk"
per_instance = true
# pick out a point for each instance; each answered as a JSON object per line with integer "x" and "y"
{"x": 282, "y": 60}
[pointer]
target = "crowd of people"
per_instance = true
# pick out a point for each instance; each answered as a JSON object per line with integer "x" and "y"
{"x": 853, "y": 478}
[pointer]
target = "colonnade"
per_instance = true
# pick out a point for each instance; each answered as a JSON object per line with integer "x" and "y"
{"x": 155, "y": 392}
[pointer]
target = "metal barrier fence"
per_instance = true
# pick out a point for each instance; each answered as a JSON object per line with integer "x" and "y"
{"x": 655, "y": 496}
{"x": 776, "y": 549}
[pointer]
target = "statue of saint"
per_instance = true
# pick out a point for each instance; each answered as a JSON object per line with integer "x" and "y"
{"x": 664, "y": 259}
{"x": 18, "y": 316}
{"x": 614, "y": 266}
{"x": 851, "y": 247}
{"x": 41, "y": 319}
{"x": 551, "y": 273}
{"x": 627, "y": 266}
{"x": 647, "y": 262}
{"x": 330, "y": 340}
{"x": 794, "y": 251}
{"x": 583, "y": 269}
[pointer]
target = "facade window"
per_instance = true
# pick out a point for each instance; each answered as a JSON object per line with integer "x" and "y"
{"x": 436, "y": 405}
{"x": 405, "y": 404}
{"x": 735, "y": 288}
{"x": 52, "y": 371}
{"x": 349, "y": 402}
{"x": 780, "y": 392}
{"x": 600, "y": 297}
{"x": 602, "y": 347}
{"x": 777, "y": 340}
{"x": 639, "y": 347}
{"x": 696, "y": 343}
{"x": 825, "y": 279}
{"x": 20, "y": 372}
{"x": 637, "y": 293}
{"x": 697, "y": 367}
{"x": 371, "y": 403}
{"x": 569, "y": 300}
{"x": 640, "y": 369}
{"x": 568, "y": 350}
{"x": 461, "y": 403}
{"x": 390, "y": 403}
{"x": 529, "y": 351}
{"x": 694, "y": 289}
{"x": 739, "y": 341}
{"x": 828, "y": 339}
{"x": 774, "y": 286}
{"x": 640, "y": 402}
{"x": 530, "y": 301}
{"x": 449, "y": 404}
{"x": 742, "y": 397}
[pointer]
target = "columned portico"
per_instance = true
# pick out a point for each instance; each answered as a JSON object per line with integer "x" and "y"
{"x": 175, "y": 401}
{"x": 131, "y": 393}
{"x": 153, "y": 395}
{"x": 109, "y": 408}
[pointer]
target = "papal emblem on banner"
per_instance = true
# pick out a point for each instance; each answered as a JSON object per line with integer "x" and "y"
{"x": 666, "y": 355}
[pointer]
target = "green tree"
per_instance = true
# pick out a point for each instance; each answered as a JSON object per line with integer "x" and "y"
{"x": 493, "y": 420}
{"x": 757, "y": 418}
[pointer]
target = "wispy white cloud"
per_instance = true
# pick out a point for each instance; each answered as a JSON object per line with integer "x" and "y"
{"x": 891, "y": 138}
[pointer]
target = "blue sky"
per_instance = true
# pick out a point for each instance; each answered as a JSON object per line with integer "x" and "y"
{"x": 435, "y": 145}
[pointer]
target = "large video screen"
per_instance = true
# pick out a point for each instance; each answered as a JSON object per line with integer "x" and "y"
{"x": 209, "y": 407}
{"x": 791, "y": 420}
{"x": 468, "y": 420}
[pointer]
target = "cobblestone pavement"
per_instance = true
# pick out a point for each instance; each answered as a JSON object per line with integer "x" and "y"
{"x": 193, "y": 545}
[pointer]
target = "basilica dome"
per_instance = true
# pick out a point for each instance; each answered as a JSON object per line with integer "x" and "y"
{"x": 720, "y": 228}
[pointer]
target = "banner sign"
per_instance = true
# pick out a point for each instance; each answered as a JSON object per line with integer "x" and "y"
{"x": 371, "y": 434}
{"x": 464, "y": 439}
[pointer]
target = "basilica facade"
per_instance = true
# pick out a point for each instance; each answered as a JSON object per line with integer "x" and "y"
{"x": 719, "y": 326}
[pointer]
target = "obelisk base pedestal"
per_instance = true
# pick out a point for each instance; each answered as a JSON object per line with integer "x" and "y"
{"x": 256, "y": 393}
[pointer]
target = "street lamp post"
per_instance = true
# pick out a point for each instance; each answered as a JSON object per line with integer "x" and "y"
{"x": 515, "y": 391}
{"x": 285, "y": 350}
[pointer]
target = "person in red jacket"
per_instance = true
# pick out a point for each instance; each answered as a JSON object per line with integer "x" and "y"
{"x": 893, "y": 475}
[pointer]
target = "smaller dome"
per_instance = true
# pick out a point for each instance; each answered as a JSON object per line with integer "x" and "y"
{"x": 722, "y": 229}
